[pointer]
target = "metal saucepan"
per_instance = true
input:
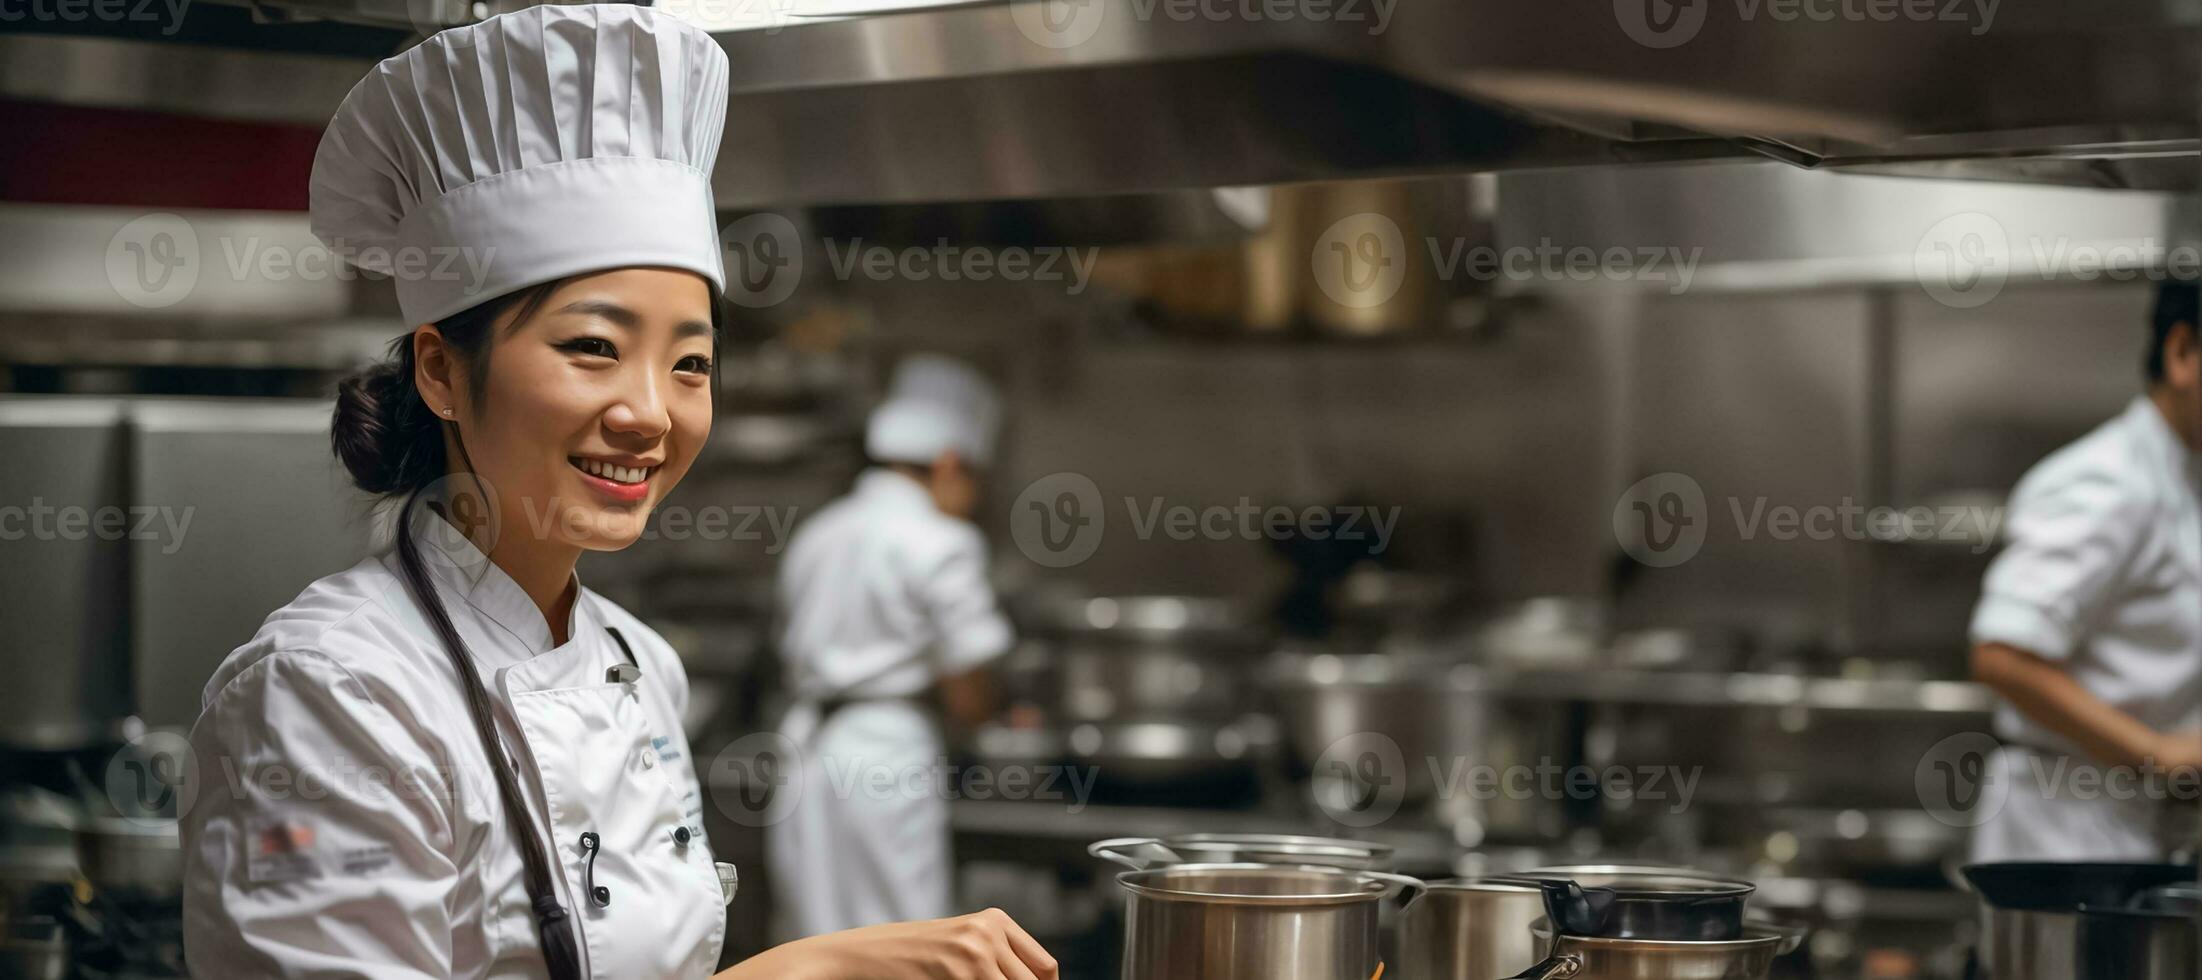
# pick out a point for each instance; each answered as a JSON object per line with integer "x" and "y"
{"x": 2087, "y": 921}
{"x": 1470, "y": 929}
{"x": 1255, "y": 922}
{"x": 1141, "y": 853}
{"x": 1749, "y": 957}
{"x": 1641, "y": 904}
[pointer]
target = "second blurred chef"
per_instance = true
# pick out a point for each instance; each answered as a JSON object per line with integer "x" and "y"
{"x": 886, "y": 604}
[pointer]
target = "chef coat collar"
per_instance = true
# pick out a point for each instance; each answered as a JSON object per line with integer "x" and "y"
{"x": 880, "y": 483}
{"x": 462, "y": 568}
{"x": 2164, "y": 444}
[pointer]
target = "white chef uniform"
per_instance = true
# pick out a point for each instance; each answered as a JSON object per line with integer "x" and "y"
{"x": 2103, "y": 573}
{"x": 346, "y": 823}
{"x": 882, "y": 595}
{"x": 349, "y": 823}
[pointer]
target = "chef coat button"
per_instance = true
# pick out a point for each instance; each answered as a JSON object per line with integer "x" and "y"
{"x": 681, "y": 836}
{"x": 649, "y": 759}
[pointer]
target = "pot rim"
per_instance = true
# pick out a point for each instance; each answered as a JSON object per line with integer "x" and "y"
{"x": 1755, "y": 936}
{"x": 1670, "y": 886}
{"x": 1371, "y": 889}
{"x": 1493, "y": 883}
{"x": 1258, "y": 842}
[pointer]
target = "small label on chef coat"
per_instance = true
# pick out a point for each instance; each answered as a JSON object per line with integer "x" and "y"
{"x": 281, "y": 851}
{"x": 292, "y": 851}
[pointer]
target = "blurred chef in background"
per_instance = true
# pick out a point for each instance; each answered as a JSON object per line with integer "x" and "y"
{"x": 2090, "y": 624}
{"x": 887, "y": 615}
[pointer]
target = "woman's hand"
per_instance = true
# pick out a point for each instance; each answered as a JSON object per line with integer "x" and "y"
{"x": 981, "y": 946}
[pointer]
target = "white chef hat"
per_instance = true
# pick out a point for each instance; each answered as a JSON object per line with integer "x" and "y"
{"x": 934, "y": 405}
{"x": 547, "y": 142}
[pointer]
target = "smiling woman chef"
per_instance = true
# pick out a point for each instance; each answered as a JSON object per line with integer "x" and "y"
{"x": 452, "y": 760}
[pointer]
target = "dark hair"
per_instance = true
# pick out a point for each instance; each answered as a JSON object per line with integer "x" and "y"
{"x": 2175, "y": 304}
{"x": 387, "y": 437}
{"x": 393, "y": 446}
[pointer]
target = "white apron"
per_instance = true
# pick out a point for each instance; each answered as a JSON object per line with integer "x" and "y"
{"x": 403, "y": 864}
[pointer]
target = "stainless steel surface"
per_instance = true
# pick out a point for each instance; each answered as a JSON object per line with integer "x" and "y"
{"x": 1546, "y": 632}
{"x": 1756, "y": 751}
{"x": 1469, "y": 930}
{"x": 1753, "y": 690}
{"x": 849, "y": 110}
{"x": 63, "y": 592}
{"x": 1324, "y": 698}
{"x": 1580, "y": 958}
{"x": 1833, "y": 230}
{"x": 2020, "y": 945}
{"x": 1141, "y": 853}
{"x": 1140, "y": 620}
{"x": 137, "y": 857}
{"x": 2086, "y": 921}
{"x": 243, "y": 473}
{"x": 1105, "y": 681}
{"x": 1145, "y": 659}
{"x": 1253, "y": 922}
{"x": 1168, "y": 760}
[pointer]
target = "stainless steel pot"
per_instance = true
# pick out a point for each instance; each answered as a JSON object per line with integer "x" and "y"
{"x": 1584, "y": 958}
{"x": 1469, "y": 929}
{"x": 1140, "y": 658}
{"x": 1255, "y": 922}
{"x": 1323, "y": 698}
{"x": 1141, "y": 853}
{"x": 2047, "y": 921}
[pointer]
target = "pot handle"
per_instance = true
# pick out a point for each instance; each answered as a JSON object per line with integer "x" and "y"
{"x": 1395, "y": 884}
{"x": 1558, "y": 966}
{"x": 1793, "y": 934}
{"x": 1119, "y": 850}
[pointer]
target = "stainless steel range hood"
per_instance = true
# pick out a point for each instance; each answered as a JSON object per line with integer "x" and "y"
{"x": 1084, "y": 98}
{"x": 1112, "y": 96}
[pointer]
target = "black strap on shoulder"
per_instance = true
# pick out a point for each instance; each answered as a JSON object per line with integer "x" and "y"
{"x": 623, "y": 647}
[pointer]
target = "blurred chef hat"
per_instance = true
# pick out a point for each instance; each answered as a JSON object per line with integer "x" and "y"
{"x": 538, "y": 144}
{"x": 934, "y": 405}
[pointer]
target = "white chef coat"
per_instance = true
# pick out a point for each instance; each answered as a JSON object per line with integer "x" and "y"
{"x": 346, "y": 823}
{"x": 2103, "y": 574}
{"x": 882, "y": 595}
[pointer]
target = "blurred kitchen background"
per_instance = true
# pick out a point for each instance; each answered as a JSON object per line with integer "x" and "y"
{"x": 151, "y": 363}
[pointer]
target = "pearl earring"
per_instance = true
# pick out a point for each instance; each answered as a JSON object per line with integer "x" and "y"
{"x": 447, "y": 413}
